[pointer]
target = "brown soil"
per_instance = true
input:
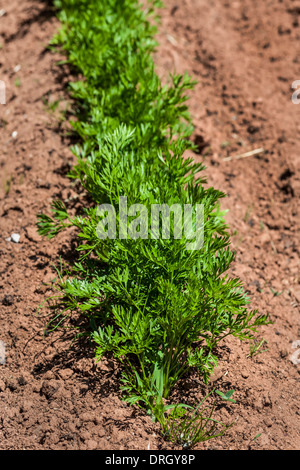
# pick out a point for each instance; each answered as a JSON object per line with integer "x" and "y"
{"x": 244, "y": 55}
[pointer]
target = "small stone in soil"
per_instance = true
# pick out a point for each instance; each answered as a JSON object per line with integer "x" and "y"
{"x": 15, "y": 237}
{"x": 32, "y": 234}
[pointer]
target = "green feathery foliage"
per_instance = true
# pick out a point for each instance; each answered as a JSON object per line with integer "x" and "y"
{"x": 159, "y": 308}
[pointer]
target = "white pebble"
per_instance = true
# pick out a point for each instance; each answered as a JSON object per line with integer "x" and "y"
{"x": 15, "y": 237}
{"x": 14, "y": 134}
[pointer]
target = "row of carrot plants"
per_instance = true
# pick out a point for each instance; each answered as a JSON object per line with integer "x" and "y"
{"x": 157, "y": 307}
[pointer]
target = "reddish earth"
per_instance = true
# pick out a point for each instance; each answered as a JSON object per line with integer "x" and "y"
{"x": 244, "y": 55}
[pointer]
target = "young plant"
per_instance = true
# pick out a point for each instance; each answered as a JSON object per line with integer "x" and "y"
{"x": 255, "y": 347}
{"x": 226, "y": 396}
{"x": 187, "y": 426}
